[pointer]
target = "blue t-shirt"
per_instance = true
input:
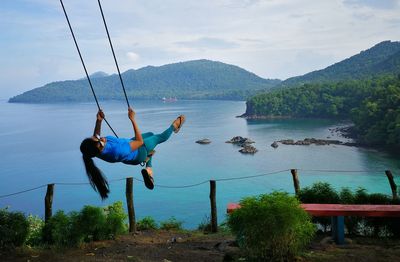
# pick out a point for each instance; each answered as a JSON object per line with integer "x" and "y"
{"x": 118, "y": 150}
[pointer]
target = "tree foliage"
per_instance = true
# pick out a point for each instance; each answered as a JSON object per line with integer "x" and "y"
{"x": 372, "y": 104}
{"x": 271, "y": 227}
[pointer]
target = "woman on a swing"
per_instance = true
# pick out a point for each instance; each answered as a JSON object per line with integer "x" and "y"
{"x": 134, "y": 151}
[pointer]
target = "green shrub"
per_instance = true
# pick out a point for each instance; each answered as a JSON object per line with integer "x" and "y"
{"x": 368, "y": 226}
{"x": 59, "y": 230}
{"x": 171, "y": 224}
{"x": 361, "y": 196}
{"x": 346, "y": 196}
{"x": 205, "y": 225}
{"x": 223, "y": 227}
{"x": 371, "y": 226}
{"x": 115, "y": 219}
{"x": 75, "y": 236}
{"x": 96, "y": 223}
{"x": 146, "y": 223}
{"x": 13, "y": 228}
{"x": 36, "y": 225}
{"x": 319, "y": 193}
{"x": 271, "y": 227}
{"x": 90, "y": 224}
{"x": 379, "y": 199}
{"x": 377, "y": 226}
{"x": 352, "y": 223}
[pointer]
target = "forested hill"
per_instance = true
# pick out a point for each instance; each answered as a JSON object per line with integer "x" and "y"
{"x": 383, "y": 58}
{"x": 364, "y": 88}
{"x": 199, "y": 79}
{"x": 372, "y": 104}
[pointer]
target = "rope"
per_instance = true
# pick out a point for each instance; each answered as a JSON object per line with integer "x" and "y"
{"x": 245, "y": 177}
{"x": 219, "y": 179}
{"x": 23, "y": 191}
{"x": 183, "y": 186}
{"x": 83, "y": 64}
{"x": 85, "y": 183}
{"x": 112, "y": 49}
{"x": 339, "y": 171}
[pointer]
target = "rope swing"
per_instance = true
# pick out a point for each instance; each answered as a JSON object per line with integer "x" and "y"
{"x": 112, "y": 49}
{"x": 83, "y": 63}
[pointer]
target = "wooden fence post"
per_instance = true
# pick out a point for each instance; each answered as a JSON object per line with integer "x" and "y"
{"x": 214, "y": 223}
{"x": 48, "y": 202}
{"x": 296, "y": 182}
{"x": 393, "y": 185}
{"x": 129, "y": 203}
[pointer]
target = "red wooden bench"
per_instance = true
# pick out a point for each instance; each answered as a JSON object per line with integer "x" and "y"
{"x": 338, "y": 212}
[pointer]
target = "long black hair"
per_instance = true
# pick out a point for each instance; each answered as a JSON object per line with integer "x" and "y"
{"x": 97, "y": 179}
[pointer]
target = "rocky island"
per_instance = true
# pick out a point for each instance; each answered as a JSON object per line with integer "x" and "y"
{"x": 245, "y": 143}
{"x": 203, "y": 141}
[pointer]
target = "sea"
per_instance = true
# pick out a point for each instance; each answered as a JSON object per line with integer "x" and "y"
{"x": 39, "y": 145}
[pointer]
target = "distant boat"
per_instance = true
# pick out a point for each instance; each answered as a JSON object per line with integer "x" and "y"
{"x": 169, "y": 99}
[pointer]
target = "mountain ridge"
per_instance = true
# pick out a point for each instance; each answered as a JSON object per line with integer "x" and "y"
{"x": 196, "y": 79}
{"x": 206, "y": 79}
{"x": 365, "y": 64}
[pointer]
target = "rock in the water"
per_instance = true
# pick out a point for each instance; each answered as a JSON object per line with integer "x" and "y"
{"x": 240, "y": 141}
{"x": 323, "y": 141}
{"x": 303, "y": 142}
{"x": 351, "y": 144}
{"x": 309, "y": 141}
{"x": 203, "y": 141}
{"x": 274, "y": 144}
{"x": 287, "y": 141}
{"x": 248, "y": 149}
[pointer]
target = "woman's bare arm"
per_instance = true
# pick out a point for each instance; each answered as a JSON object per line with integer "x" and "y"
{"x": 138, "y": 142}
{"x": 99, "y": 119}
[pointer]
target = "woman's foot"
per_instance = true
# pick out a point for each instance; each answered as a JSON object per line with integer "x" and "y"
{"x": 147, "y": 174}
{"x": 178, "y": 123}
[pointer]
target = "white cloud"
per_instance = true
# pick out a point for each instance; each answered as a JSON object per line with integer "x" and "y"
{"x": 133, "y": 56}
{"x": 272, "y": 38}
{"x": 380, "y": 4}
{"x": 208, "y": 42}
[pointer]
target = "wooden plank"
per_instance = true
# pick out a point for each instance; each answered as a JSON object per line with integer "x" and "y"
{"x": 352, "y": 210}
{"x": 343, "y": 210}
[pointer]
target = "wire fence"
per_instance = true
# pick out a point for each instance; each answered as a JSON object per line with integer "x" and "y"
{"x": 212, "y": 182}
{"x": 199, "y": 183}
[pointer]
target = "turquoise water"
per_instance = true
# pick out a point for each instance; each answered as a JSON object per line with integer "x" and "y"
{"x": 40, "y": 145}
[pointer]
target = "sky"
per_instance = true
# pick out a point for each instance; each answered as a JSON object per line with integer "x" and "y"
{"x": 271, "y": 38}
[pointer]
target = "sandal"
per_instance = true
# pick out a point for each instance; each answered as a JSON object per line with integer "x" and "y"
{"x": 181, "y": 121}
{"x": 148, "y": 179}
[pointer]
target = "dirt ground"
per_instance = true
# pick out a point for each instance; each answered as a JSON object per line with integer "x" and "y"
{"x": 357, "y": 249}
{"x": 167, "y": 246}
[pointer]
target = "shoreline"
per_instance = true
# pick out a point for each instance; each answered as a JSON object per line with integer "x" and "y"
{"x": 269, "y": 117}
{"x": 275, "y": 117}
{"x": 345, "y": 131}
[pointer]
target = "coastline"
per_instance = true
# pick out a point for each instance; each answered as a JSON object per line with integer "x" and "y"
{"x": 286, "y": 117}
{"x": 262, "y": 117}
{"x": 346, "y": 131}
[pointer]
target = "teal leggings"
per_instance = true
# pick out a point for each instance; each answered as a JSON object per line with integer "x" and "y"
{"x": 151, "y": 141}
